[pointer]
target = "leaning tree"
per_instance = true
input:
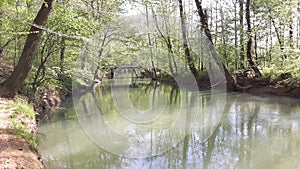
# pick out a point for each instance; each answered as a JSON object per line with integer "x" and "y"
{"x": 14, "y": 82}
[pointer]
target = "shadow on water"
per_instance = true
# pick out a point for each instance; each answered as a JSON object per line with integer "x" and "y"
{"x": 252, "y": 132}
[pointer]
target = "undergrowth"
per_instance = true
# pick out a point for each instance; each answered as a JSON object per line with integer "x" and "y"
{"x": 21, "y": 118}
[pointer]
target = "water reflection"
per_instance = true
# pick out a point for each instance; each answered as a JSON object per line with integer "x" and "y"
{"x": 253, "y": 132}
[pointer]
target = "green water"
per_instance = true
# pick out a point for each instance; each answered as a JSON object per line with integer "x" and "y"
{"x": 182, "y": 129}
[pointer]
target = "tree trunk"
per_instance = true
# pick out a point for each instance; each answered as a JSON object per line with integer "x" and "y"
{"x": 298, "y": 28}
{"x": 203, "y": 19}
{"x": 16, "y": 79}
{"x": 62, "y": 58}
{"x": 291, "y": 24}
{"x": 255, "y": 46}
{"x": 242, "y": 50}
{"x": 231, "y": 84}
{"x": 150, "y": 43}
{"x": 216, "y": 22}
{"x": 187, "y": 52}
{"x": 271, "y": 42}
{"x": 249, "y": 43}
{"x": 235, "y": 34}
{"x": 41, "y": 70}
{"x": 166, "y": 38}
{"x": 279, "y": 37}
{"x": 6, "y": 44}
{"x": 100, "y": 53}
{"x": 291, "y": 33}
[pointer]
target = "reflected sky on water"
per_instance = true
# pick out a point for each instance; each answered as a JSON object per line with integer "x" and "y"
{"x": 252, "y": 132}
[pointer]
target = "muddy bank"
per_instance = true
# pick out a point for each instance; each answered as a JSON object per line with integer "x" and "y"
{"x": 275, "y": 90}
{"x": 263, "y": 86}
{"x": 17, "y": 134}
{"x": 50, "y": 99}
{"x": 283, "y": 85}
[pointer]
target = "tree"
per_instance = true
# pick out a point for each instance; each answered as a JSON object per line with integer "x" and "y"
{"x": 164, "y": 33}
{"x": 249, "y": 43}
{"x": 150, "y": 44}
{"x": 241, "y": 13}
{"x": 231, "y": 84}
{"x": 16, "y": 79}
{"x": 187, "y": 52}
{"x": 235, "y": 34}
{"x": 203, "y": 19}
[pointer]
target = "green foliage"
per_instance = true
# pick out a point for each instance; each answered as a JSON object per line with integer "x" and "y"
{"x": 9, "y": 2}
{"x": 281, "y": 65}
{"x": 164, "y": 75}
{"x": 23, "y": 114}
{"x": 292, "y": 82}
{"x": 22, "y": 130}
{"x": 270, "y": 71}
{"x": 74, "y": 23}
{"x": 22, "y": 107}
{"x": 69, "y": 21}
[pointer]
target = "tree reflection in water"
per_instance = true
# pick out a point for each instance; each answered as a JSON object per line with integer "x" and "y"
{"x": 254, "y": 132}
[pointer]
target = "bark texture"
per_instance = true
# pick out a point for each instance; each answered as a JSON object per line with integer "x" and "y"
{"x": 187, "y": 52}
{"x": 21, "y": 71}
{"x": 252, "y": 64}
{"x": 231, "y": 84}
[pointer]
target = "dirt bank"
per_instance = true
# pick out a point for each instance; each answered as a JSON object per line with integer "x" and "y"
{"x": 15, "y": 151}
{"x": 276, "y": 90}
{"x": 264, "y": 86}
{"x": 283, "y": 85}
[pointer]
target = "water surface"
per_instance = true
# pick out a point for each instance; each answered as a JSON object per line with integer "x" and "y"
{"x": 248, "y": 132}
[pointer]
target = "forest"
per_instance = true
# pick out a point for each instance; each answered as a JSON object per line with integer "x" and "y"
{"x": 144, "y": 80}
{"x": 257, "y": 41}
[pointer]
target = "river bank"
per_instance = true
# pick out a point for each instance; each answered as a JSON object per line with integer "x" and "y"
{"x": 283, "y": 85}
{"x": 17, "y": 136}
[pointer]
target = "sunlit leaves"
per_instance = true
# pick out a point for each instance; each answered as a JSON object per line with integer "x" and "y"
{"x": 9, "y": 2}
{"x": 67, "y": 21}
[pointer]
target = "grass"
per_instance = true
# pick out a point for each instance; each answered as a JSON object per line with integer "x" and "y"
{"x": 21, "y": 118}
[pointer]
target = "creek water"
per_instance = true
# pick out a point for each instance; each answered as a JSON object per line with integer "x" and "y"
{"x": 169, "y": 127}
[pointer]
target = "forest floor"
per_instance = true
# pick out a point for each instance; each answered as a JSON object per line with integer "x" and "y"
{"x": 15, "y": 151}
